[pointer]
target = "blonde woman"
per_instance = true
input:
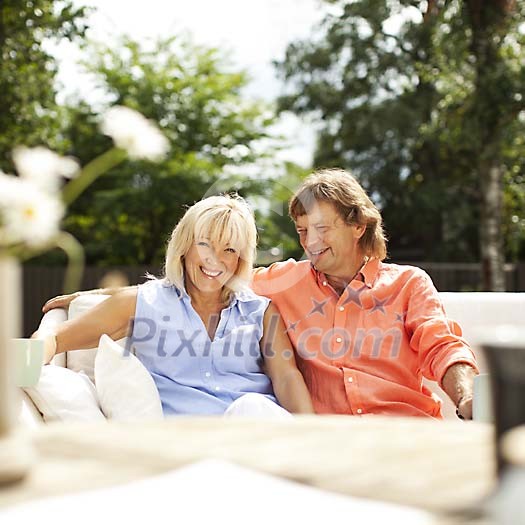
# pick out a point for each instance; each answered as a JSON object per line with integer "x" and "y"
{"x": 211, "y": 345}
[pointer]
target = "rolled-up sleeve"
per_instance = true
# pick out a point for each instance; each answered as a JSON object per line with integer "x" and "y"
{"x": 437, "y": 340}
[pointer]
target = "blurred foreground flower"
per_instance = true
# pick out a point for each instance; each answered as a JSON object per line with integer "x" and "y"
{"x": 44, "y": 167}
{"x": 30, "y": 215}
{"x": 32, "y": 206}
{"x": 137, "y": 135}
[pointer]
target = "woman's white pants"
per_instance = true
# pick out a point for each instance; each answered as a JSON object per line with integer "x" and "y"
{"x": 256, "y": 405}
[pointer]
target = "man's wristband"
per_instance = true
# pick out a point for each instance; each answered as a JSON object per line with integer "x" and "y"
{"x": 457, "y": 408}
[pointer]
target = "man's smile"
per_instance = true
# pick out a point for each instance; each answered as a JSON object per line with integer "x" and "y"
{"x": 318, "y": 253}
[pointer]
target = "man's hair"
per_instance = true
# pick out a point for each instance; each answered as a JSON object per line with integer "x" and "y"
{"x": 339, "y": 188}
{"x": 224, "y": 219}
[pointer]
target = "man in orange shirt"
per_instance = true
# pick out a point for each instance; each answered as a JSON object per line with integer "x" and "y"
{"x": 364, "y": 332}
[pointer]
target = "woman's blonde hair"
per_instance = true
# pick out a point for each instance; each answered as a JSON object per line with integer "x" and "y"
{"x": 338, "y": 187}
{"x": 223, "y": 219}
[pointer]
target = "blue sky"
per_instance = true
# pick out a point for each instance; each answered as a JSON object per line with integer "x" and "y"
{"x": 255, "y": 32}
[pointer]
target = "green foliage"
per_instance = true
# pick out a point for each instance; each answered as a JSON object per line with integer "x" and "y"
{"x": 404, "y": 104}
{"x": 277, "y": 236}
{"x": 127, "y": 215}
{"x": 28, "y": 112}
{"x": 514, "y": 198}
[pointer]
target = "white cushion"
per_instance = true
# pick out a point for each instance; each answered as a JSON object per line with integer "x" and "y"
{"x": 478, "y": 311}
{"x": 84, "y": 359}
{"x": 125, "y": 388}
{"x": 64, "y": 395}
{"x": 28, "y": 415}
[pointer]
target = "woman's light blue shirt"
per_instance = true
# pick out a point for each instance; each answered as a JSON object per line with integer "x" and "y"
{"x": 193, "y": 374}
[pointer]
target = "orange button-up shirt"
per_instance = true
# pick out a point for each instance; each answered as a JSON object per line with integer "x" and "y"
{"x": 366, "y": 351}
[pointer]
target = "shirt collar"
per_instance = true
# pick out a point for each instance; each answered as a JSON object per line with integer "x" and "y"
{"x": 370, "y": 271}
{"x": 242, "y": 296}
{"x": 367, "y": 274}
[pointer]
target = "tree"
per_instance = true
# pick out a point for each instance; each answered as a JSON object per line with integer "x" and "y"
{"x": 29, "y": 114}
{"x": 127, "y": 215}
{"x": 278, "y": 238}
{"x": 498, "y": 100}
{"x": 398, "y": 88}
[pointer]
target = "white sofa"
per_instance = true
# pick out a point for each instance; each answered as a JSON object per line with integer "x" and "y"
{"x": 476, "y": 312}
{"x": 68, "y": 391}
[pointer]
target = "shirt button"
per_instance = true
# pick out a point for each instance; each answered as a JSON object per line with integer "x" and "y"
{"x": 350, "y": 379}
{"x": 341, "y": 308}
{"x": 207, "y": 374}
{"x": 217, "y": 388}
{"x": 338, "y": 340}
{"x": 359, "y": 410}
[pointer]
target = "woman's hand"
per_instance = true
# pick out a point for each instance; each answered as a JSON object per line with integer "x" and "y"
{"x": 111, "y": 316}
{"x": 50, "y": 343}
{"x": 287, "y": 381}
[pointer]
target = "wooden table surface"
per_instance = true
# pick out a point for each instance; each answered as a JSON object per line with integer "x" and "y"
{"x": 435, "y": 465}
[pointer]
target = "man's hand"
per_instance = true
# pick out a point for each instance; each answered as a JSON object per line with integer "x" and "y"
{"x": 458, "y": 383}
{"x": 61, "y": 301}
{"x": 464, "y": 408}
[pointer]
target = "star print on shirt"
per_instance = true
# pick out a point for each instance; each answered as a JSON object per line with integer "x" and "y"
{"x": 354, "y": 296}
{"x": 292, "y": 327}
{"x": 317, "y": 308}
{"x": 380, "y": 305}
{"x": 401, "y": 317}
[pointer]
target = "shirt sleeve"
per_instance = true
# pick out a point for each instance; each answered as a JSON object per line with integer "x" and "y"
{"x": 279, "y": 278}
{"x": 437, "y": 340}
{"x": 261, "y": 281}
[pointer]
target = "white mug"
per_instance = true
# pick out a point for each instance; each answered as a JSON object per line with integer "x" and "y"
{"x": 27, "y": 360}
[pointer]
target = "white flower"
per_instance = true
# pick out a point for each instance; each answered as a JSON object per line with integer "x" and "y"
{"x": 43, "y": 167}
{"x": 8, "y": 185}
{"x": 134, "y": 133}
{"x": 28, "y": 214}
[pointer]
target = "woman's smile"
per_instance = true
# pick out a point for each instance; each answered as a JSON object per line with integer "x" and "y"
{"x": 212, "y": 274}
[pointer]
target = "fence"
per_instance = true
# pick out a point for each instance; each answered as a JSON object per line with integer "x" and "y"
{"x": 42, "y": 283}
{"x": 466, "y": 277}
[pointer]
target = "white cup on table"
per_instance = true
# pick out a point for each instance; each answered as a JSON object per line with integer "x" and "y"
{"x": 27, "y": 358}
